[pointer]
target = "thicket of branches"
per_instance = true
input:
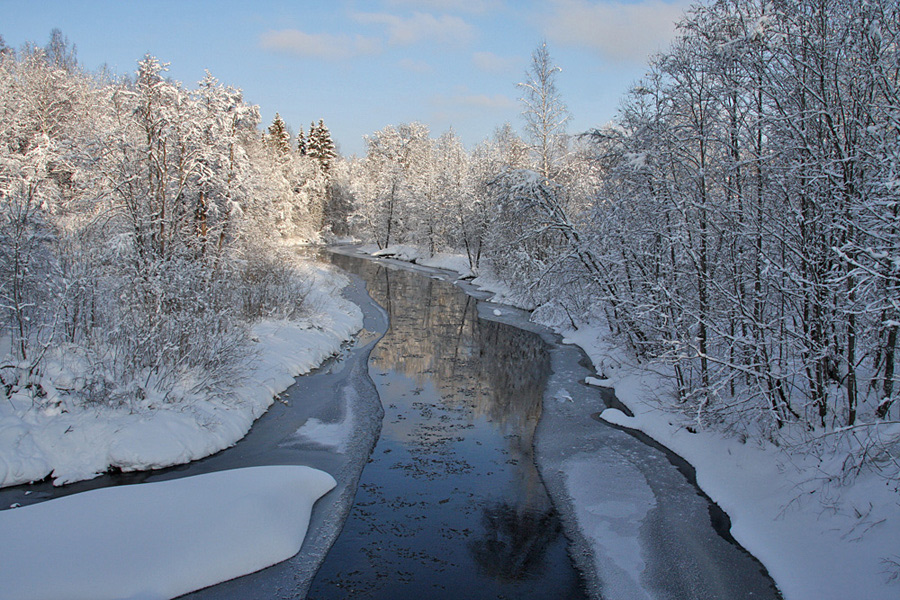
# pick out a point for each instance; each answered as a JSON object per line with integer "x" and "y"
{"x": 739, "y": 218}
{"x": 749, "y": 219}
{"x": 138, "y": 228}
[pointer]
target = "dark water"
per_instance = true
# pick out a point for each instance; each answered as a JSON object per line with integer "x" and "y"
{"x": 450, "y": 503}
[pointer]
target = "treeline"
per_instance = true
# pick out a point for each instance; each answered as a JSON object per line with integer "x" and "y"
{"x": 139, "y": 229}
{"x": 738, "y": 219}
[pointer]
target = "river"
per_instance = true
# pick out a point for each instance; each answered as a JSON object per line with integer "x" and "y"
{"x": 451, "y": 503}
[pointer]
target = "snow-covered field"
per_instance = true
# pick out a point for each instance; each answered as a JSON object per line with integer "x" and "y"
{"x": 819, "y": 537}
{"x": 80, "y": 442}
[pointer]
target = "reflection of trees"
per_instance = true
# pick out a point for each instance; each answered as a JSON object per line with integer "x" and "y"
{"x": 435, "y": 334}
{"x": 478, "y": 369}
{"x": 516, "y": 365}
{"x": 494, "y": 370}
{"x": 515, "y": 541}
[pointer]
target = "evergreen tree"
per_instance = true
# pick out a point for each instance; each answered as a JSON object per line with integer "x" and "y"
{"x": 301, "y": 142}
{"x": 320, "y": 145}
{"x": 279, "y": 136}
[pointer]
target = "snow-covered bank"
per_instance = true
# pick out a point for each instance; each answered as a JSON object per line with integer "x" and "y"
{"x": 157, "y": 540}
{"x": 75, "y": 442}
{"x": 819, "y": 539}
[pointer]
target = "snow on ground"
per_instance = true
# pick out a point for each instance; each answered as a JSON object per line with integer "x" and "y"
{"x": 819, "y": 540}
{"x": 157, "y": 540}
{"x": 449, "y": 262}
{"x": 85, "y": 441}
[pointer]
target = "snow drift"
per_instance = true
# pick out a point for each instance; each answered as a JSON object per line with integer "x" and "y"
{"x": 157, "y": 540}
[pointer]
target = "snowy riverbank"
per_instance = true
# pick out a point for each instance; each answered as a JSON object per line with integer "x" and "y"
{"x": 820, "y": 538}
{"x": 70, "y": 442}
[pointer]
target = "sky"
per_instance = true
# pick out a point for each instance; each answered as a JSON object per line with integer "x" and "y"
{"x": 363, "y": 65}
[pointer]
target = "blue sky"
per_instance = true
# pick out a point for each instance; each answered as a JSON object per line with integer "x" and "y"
{"x": 362, "y": 65}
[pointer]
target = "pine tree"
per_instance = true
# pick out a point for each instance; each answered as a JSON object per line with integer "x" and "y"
{"x": 301, "y": 142}
{"x": 320, "y": 145}
{"x": 279, "y": 136}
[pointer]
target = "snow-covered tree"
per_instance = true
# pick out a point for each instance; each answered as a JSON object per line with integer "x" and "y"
{"x": 278, "y": 136}
{"x": 545, "y": 113}
{"x": 320, "y": 146}
{"x": 136, "y": 227}
{"x": 394, "y": 165}
{"x": 302, "y": 142}
{"x": 60, "y": 53}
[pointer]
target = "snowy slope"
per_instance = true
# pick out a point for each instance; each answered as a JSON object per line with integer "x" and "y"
{"x": 85, "y": 441}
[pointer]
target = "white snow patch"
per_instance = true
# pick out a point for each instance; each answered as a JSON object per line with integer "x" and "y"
{"x": 498, "y": 313}
{"x": 157, "y": 540}
{"x": 564, "y": 396}
{"x": 329, "y": 435}
{"x": 333, "y": 435}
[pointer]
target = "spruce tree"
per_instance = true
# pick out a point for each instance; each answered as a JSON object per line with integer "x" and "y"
{"x": 279, "y": 136}
{"x": 320, "y": 145}
{"x": 312, "y": 140}
{"x": 301, "y": 142}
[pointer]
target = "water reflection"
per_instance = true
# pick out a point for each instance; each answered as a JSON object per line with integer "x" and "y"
{"x": 497, "y": 370}
{"x": 514, "y": 540}
{"x": 451, "y": 500}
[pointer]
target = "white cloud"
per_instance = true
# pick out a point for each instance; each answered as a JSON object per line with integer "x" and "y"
{"x": 492, "y": 63}
{"x": 405, "y": 31}
{"x": 619, "y": 30}
{"x": 318, "y": 45}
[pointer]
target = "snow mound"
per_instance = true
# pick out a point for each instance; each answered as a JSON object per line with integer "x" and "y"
{"x": 157, "y": 540}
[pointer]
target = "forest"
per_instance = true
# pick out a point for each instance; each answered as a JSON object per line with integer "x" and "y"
{"x": 140, "y": 225}
{"x": 736, "y": 222}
